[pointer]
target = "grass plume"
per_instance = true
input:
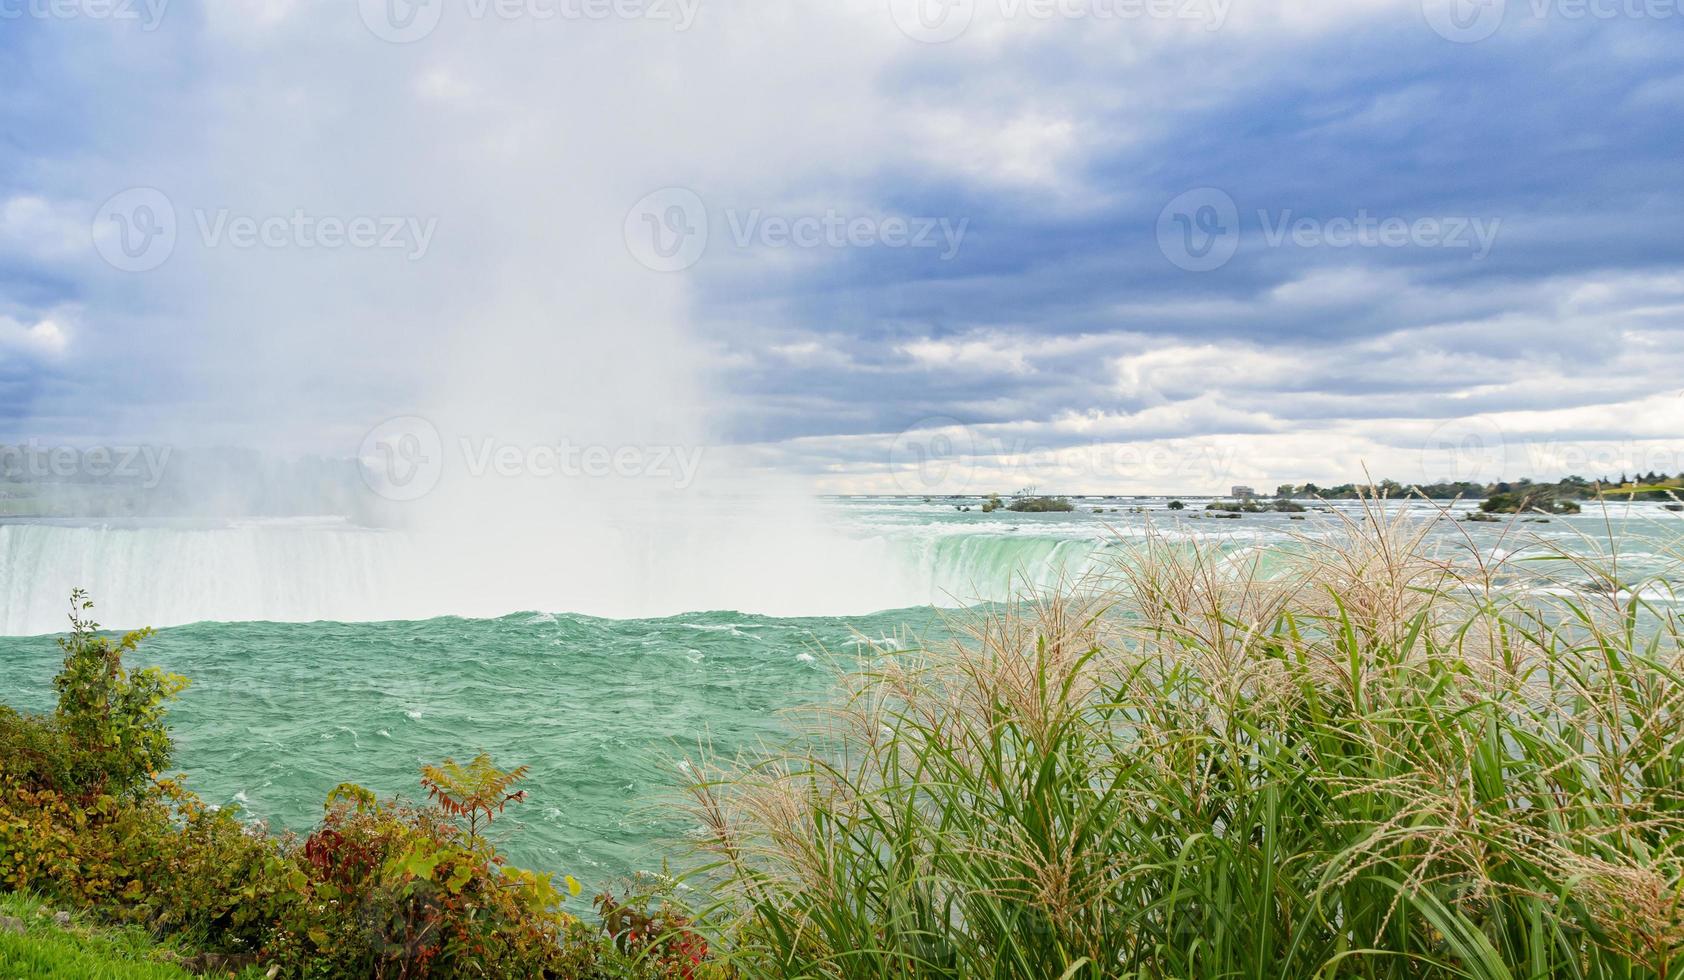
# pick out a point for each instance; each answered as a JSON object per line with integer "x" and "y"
{"x": 1380, "y": 753}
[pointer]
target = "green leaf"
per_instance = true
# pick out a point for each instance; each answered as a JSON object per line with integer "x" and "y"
{"x": 420, "y": 863}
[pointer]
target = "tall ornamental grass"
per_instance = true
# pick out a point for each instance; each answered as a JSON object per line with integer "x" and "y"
{"x": 1378, "y": 754}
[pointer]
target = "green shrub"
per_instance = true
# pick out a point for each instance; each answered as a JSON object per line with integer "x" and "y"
{"x": 649, "y": 931}
{"x": 112, "y": 718}
{"x": 160, "y": 859}
{"x": 107, "y": 734}
{"x": 1028, "y": 504}
{"x": 378, "y": 889}
{"x": 84, "y": 818}
{"x": 1541, "y": 500}
{"x": 389, "y": 889}
{"x": 384, "y": 888}
{"x": 34, "y": 752}
{"x": 1281, "y": 506}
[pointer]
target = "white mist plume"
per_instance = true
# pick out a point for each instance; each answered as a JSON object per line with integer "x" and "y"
{"x": 507, "y": 152}
{"x": 506, "y": 155}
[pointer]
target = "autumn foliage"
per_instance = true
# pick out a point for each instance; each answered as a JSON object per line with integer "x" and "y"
{"x": 379, "y": 888}
{"x": 474, "y": 792}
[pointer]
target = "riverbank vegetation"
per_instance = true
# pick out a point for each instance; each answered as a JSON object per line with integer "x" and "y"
{"x": 379, "y": 888}
{"x": 39, "y": 941}
{"x": 1367, "y": 758}
{"x": 1029, "y": 502}
{"x": 1384, "y": 754}
{"x": 1251, "y": 505}
{"x": 1644, "y": 486}
{"x": 1537, "y": 501}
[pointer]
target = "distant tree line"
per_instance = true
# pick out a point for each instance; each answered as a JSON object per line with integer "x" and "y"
{"x": 1643, "y": 486}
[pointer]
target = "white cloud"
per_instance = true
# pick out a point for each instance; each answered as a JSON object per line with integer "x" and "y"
{"x": 1339, "y": 286}
{"x": 810, "y": 353}
{"x": 35, "y": 228}
{"x": 42, "y": 338}
{"x": 445, "y": 86}
{"x": 997, "y": 355}
{"x": 1572, "y": 375}
{"x": 1181, "y": 371}
{"x": 1035, "y": 150}
{"x": 531, "y": 305}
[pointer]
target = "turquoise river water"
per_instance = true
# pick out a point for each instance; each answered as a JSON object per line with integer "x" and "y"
{"x": 287, "y": 700}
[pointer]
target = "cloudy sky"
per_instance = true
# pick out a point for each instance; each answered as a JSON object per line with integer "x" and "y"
{"x": 901, "y": 245}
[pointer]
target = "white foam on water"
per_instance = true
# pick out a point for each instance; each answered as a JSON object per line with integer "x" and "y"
{"x": 254, "y": 571}
{"x": 848, "y": 559}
